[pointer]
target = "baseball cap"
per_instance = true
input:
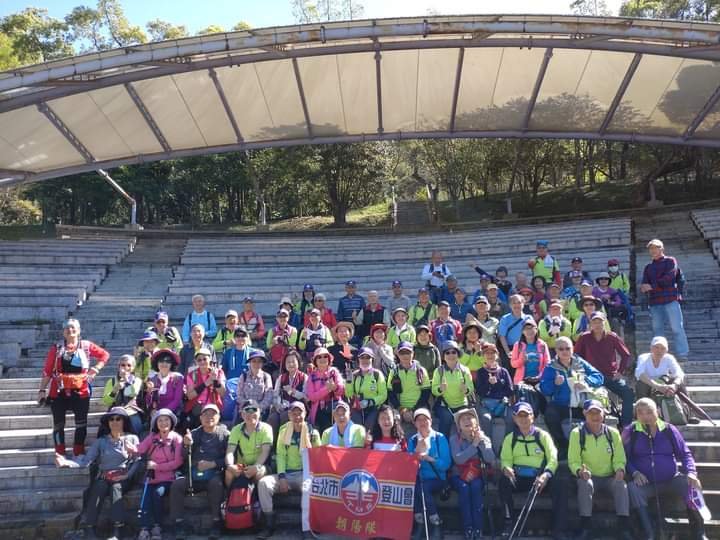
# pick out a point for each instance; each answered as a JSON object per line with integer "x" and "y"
{"x": 283, "y": 312}
{"x": 149, "y": 335}
{"x": 297, "y": 405}
{"x": 542, "y": 243}
{"x": 522, "y": 406}
{"x": 405, "y": 346}
{"x": 598, "y": 315}
{"x": 203, "y": 351}
{"x": 350, "y": 283}
{"x": 397, "y": 283}
{"x": 308, "y": 287}
{"x": 656, "y": 242}
{"x": 248, "y": 299}
{"x": 530, "y": 322}
{"x": 285, "y": 300}
{"x": 210, "y": 406}
{"x": 613, "y": 262}
{"x": 556, "y": 304}
{"x": 576, "y": 259}
{"x": 161, "y": 316}
{"x": 422, "y": 290}
{"x": 422, "y": 411}
{"x": 444, "y": 303}
{"x": 366, "y": 351}
{"x": 486, "y": 277}
{"x": 590, "y": 404}
{"x": 451, "y": 278}
{"x": 492, "y": 286}
{"x": 659, "y": 340}
{"x": 314, "y": 311}
{"x": 231, "y": 313}
{"x": 256, "y": 353}
{"x": 341, "y": 404}
{"x": 421, "y": 327}
{"x": 240, "y": 332}
{"x": 250, "y": 404}
{"x": 585, "y": 283}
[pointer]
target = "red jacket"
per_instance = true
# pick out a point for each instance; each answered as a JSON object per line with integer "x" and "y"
{"x": 68, "y": 376}
{"x": 602, "y": 354}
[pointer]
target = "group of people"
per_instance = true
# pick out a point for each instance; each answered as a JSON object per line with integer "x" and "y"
{"x": 458, "y": 384}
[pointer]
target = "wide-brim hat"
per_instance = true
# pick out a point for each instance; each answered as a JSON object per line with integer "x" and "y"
{"x": 117, "y": 411}
{"x": 472, "y": 324}
{"x": 163, "y": 412}
{"x": 148, "y": 335}
{"x": 596, "y": 301}
{"x": 378, "y": 326}
{"x": 322, "y": 351}
{"x": 175, "y": 359}
{"x": 462, "y": 412}
{"x": 347, "y": 324}
{"x": 448, "y": 345}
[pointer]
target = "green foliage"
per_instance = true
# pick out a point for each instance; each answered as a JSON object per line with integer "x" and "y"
{"x": 310, "y": 11}
{"x": 160, "y": 30}
{"x": 16, "y": 210}
{"x": 702, "y": 10}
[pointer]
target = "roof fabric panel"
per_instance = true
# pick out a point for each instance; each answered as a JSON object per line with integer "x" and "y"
{"x": 280, "y": 90}
{"x": 665, "y": 95}
{"x": 578, "y": 88}
{"x": 321, "y": 84}
{"x": 359, "y": 92}
{"x": 36, "y": 144}
{"x": 495, "y": 87}
{"x": 399, "y": 80}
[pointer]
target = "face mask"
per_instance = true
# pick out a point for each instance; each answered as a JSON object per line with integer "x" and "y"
{"x": 613, "y": 269}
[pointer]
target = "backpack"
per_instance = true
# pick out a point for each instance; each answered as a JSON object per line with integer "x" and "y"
{"x": 671, "y": 409}
{"x": 608, "y": 436}
{"x": 190, "y": 323}
{"x": 536, "y": 440}
{"x": 229, "y": 407}
{"x": 443, "y": 270}
{"x": 239, "y": 511}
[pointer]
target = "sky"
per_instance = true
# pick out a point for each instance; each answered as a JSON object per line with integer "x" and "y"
{"x": 260, "y": 13}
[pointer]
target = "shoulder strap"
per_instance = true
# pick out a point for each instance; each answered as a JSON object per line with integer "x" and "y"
{"x": 207, "y": 315}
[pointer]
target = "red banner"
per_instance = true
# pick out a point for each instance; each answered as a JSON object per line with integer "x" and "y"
{"x": 362, "y": 493}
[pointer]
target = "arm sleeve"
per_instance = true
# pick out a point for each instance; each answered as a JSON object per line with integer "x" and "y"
{"x": 593, "y": 377}
{"x": 186, "y": 329}
{"x": 176, "y": 461}
{"x": 49, "y": 361}
{"x": 281, "y": 451}
{"x": 626, "y": 446}
{"x": 667, "y": 277}
{"x": 547, "y": 384}
{"x": 98, "y": 353}
{"x": 685, "y": 457}
{"x": 574, "y": 454}
{"x": 619, "y": 459}
{"x": 260, "y": 330}
{"x": 426, "y": 274}
{"x": 212, "y": 331}
{"x": 316, "y": 391}
{"x": 506, "y": 453}
{"x": 382, "y": 390}
{"x": 436, "y": 382}
{"x": 461, "y": 456}
{"x": 444, "y": 461}
{"x": 93, "y": 453}
{"x": 551, "y": 453}
{"x": 624, "y": 353}
{"x": 516, "y": 358}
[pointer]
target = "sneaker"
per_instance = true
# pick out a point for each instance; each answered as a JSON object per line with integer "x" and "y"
{"x": 156, "y": 533}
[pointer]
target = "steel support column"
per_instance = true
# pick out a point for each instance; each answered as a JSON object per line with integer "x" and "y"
{"x": 707, "y": 109}
{"x": 536, "y": 88}
{"x": 226, "y": 104}
{"x": 148, "y": 117}
{"x": 620, "y": 93}
{"x": 66, "y": 132}
{"x": 456, "y": 90}
{"x": 303, "y": 101}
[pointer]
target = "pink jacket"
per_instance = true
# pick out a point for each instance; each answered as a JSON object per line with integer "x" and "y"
{"x": 517, "y": 359}
{"x": 317, "y": 393}
{"x": 167, "y": 455}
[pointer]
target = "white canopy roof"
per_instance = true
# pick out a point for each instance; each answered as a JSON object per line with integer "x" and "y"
{"x": 463, "y": 76}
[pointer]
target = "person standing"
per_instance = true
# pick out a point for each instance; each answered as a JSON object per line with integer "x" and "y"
{"x": 435, "y": 273}
{"x": 660, "y": 282}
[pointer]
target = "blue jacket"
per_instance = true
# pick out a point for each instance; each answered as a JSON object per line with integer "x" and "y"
{"x": 235, "y": 361}
{"x": 459, "y": 311}
{"x": 560, "y": 395}
{"x": 439, "y": 449}
{"x": 205, "y": 318}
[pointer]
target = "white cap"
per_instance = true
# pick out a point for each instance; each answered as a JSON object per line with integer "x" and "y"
{"x": 659, "y": 340}
{"x": 656, "y": 242}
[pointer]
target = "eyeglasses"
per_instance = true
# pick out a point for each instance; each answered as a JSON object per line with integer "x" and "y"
{"x": 115, "y": 419}
{"x": 250, "y": 409}
{"x": 562, "y": 348}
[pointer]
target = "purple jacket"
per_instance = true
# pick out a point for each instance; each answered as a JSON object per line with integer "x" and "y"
{"x": 669, "y": 447}
{"x": 172, "y": 399}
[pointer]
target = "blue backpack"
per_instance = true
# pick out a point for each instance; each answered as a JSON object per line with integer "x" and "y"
{"x": 229, "y": 400}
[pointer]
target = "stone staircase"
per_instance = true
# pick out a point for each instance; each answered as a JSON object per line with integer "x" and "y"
{"x": 39, "y": 501}
{"x": 701, "y": 311}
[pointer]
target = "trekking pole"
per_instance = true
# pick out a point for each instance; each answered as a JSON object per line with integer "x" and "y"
{"x": 142, "y": 499}
{"x": 191, "y": 491}
{"x": 524, "y": 513}
{"x": 486, "y": 481}
{"x": 658, "y": 506}
{"x": 422, "y": 497}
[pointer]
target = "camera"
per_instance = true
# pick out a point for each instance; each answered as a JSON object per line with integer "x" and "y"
{"x": 170, "y": 336}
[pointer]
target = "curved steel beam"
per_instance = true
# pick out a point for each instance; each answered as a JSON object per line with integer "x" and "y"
{"x": 387, "y": 136}
{"x": 33, "y": 98}
{"x": 698, "y": 33}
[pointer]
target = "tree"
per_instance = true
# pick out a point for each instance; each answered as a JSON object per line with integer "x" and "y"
{"x": 31, "y": 36}
{"x": 160, "y": 30}
{"x": 311, "y": 11}
{"x": 212, "y": 29}
{"x": 591, "y": 7}
{"x": 105, "y": 27}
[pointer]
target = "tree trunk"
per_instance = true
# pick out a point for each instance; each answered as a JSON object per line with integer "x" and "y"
{"x": 579, "y": 166}
{"x": 623, "y": 161}
{"x": 591, "y": 163}
{"x": 609, "y": 159}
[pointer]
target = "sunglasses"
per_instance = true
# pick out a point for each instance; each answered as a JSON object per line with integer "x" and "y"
{"x": 125, "y": 365}
{"x": 116, "y": 419}
{"x": 250, "y": 409}
{"x": 320, "y": 357}
{"x": 562, "y": 348}
{"x": 451, "y": 351}
{"x": 404, "y": 352}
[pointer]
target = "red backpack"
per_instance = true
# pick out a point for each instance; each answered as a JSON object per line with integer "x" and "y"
{"x": 240, "y": 513}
